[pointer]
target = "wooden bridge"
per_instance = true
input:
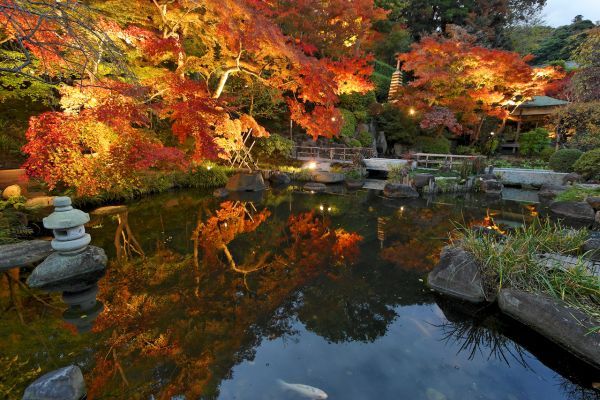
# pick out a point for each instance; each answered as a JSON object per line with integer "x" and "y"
{"x": 333, "y": 154}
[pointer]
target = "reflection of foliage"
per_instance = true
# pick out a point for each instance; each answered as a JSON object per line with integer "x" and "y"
{"x": 414, "y": 236}
{"x": 198, "y": 333}
{"x": 475, "y": 337}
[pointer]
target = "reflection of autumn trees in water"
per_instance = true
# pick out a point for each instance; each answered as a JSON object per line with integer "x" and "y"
{"x": 413, "y": 237}
{"x": 159, "y": 340}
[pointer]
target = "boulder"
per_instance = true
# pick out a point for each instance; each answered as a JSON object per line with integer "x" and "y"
{"x": 354, "y": 184}
{"x": 399, "y": 191}
{"x": 246, "y": 182}
{"x": 578, "y": 213}
{"x": 422, "y": 180}
{"x": 327, "y": 177}
{"x": 594, "y": 201}
{"x": 554, "y": 319}
{"x": 548, "y": 192}
{"x": 11, "y": 191}
{"x": 279, "y": 178}
{"x": 457, "y": 275}
{"x": 315, "y": 187}
{"x": 572, "y": 178}
{"x": 591, "y": 247}
{"x": 39, "y": 202}
{"x": 220, "y": 193}
{"x": 23, "y": 253}
{"x": 492, "y": 186}
{"x": 63, "y": 384}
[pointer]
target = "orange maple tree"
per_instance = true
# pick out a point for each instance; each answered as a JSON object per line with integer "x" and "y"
{"x": 469, "y": 80}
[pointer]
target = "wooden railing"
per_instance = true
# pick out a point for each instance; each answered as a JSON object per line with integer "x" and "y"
{"x": 438, "y": 160}
{"x": 340, "y": 154}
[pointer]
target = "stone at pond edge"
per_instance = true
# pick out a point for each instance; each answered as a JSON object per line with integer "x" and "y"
{"x": 592, "y": 248}
{"x": 221, "y": 193}
{"x": 327, "y": 177}
{"x": 59, "y": 273}
{"x": 492, "y": 186}
{"x": 572, "y": 178}
{"x": 594, "y": 201}
{"x": 422, "y": 180}
{"x": 63, "y": 384}
{"x": 246, "y": 182}
{"x": 573, "y": 212}
{"x": 11, "y": 191}
{"x": 23, "y": 253}
{"x": 399, "y": 191}
{"x": 315, "y": 187}
{"x": 548, "y": 192}
{"x": 566, "y": 326}
{"x": 457, "y": 275}
{"x": 354, "y": 184}
{"x": 109, "y": 210}
{"x": 279, "y": 178}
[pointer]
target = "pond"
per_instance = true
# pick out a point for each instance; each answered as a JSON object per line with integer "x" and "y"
{"x": 210, "y": 299}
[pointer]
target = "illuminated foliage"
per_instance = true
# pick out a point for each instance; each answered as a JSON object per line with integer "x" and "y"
{"x": 470, "y": 80}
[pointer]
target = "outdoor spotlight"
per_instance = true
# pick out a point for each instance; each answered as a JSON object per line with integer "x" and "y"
{"x": 311, "y": 165}
{"x": 411, "y": 111}
{"x": 209, "y": 167}
{"x": 321, "y": 207}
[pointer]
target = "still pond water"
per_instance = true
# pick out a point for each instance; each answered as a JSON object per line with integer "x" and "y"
{"x": 322, "y": 290}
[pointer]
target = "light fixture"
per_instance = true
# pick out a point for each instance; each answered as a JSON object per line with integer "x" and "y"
{"x": 411, "y": 111}
{"x": 311, "y": 165}
{"x": 492, "y": 133}
{"x": 333, "y": 119}
{"x": 321, "y": 207}
{"x": 209, "y": 167}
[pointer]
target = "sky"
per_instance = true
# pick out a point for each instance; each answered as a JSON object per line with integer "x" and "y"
{"x": 561, "y": 12}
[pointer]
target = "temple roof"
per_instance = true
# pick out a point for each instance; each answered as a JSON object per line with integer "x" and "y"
{"x": 543, "y": 101}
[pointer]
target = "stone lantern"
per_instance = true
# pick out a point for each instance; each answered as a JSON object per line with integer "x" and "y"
{"x": 75, "y": 267}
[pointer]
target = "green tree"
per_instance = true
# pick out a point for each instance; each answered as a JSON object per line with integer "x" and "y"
{"x": 563, "y": 41}
{"x": 397, "y": 125}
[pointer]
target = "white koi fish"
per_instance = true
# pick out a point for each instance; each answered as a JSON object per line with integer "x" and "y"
{"x": 304, "y": 390}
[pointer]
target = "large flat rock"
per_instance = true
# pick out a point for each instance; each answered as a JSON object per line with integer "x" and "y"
{"x": 457, "y": 275}
{"x": 23, "y": 253}
{"x": 577, "y": 213}
{"x": 565, "y": 326}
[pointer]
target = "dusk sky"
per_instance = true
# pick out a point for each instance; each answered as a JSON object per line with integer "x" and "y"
{"x": 561, "y": 12}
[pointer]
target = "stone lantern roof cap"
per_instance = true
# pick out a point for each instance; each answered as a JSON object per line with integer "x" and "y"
{"x": 65, "y": 216}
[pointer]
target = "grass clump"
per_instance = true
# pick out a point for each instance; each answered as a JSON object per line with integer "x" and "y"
{"x": 577, "y": 193}
{"x": 511, "y": 261}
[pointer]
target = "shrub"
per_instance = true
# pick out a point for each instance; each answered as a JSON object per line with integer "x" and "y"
{"x": 563, "y": 160}
{"x": 273, "y": 147}
{"x": 465, "y": 150}
{"x": 588, "y": 165}
{"x": 398, "y": 173}
{"x": 357, "y": 102}
{"x": 204, "y": 177}
{"x": 489, "y": 147}
{"x": 438, "y": 145}
{"x": 534, "y": 142}
{"x": 547, "y": 153}
{"x": 349, "y": 126}
{"x": 365, "y": 138}
{"x": 354, "y": 143}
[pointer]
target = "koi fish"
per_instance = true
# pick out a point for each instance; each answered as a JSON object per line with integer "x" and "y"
{"x": 304, "y": 390}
